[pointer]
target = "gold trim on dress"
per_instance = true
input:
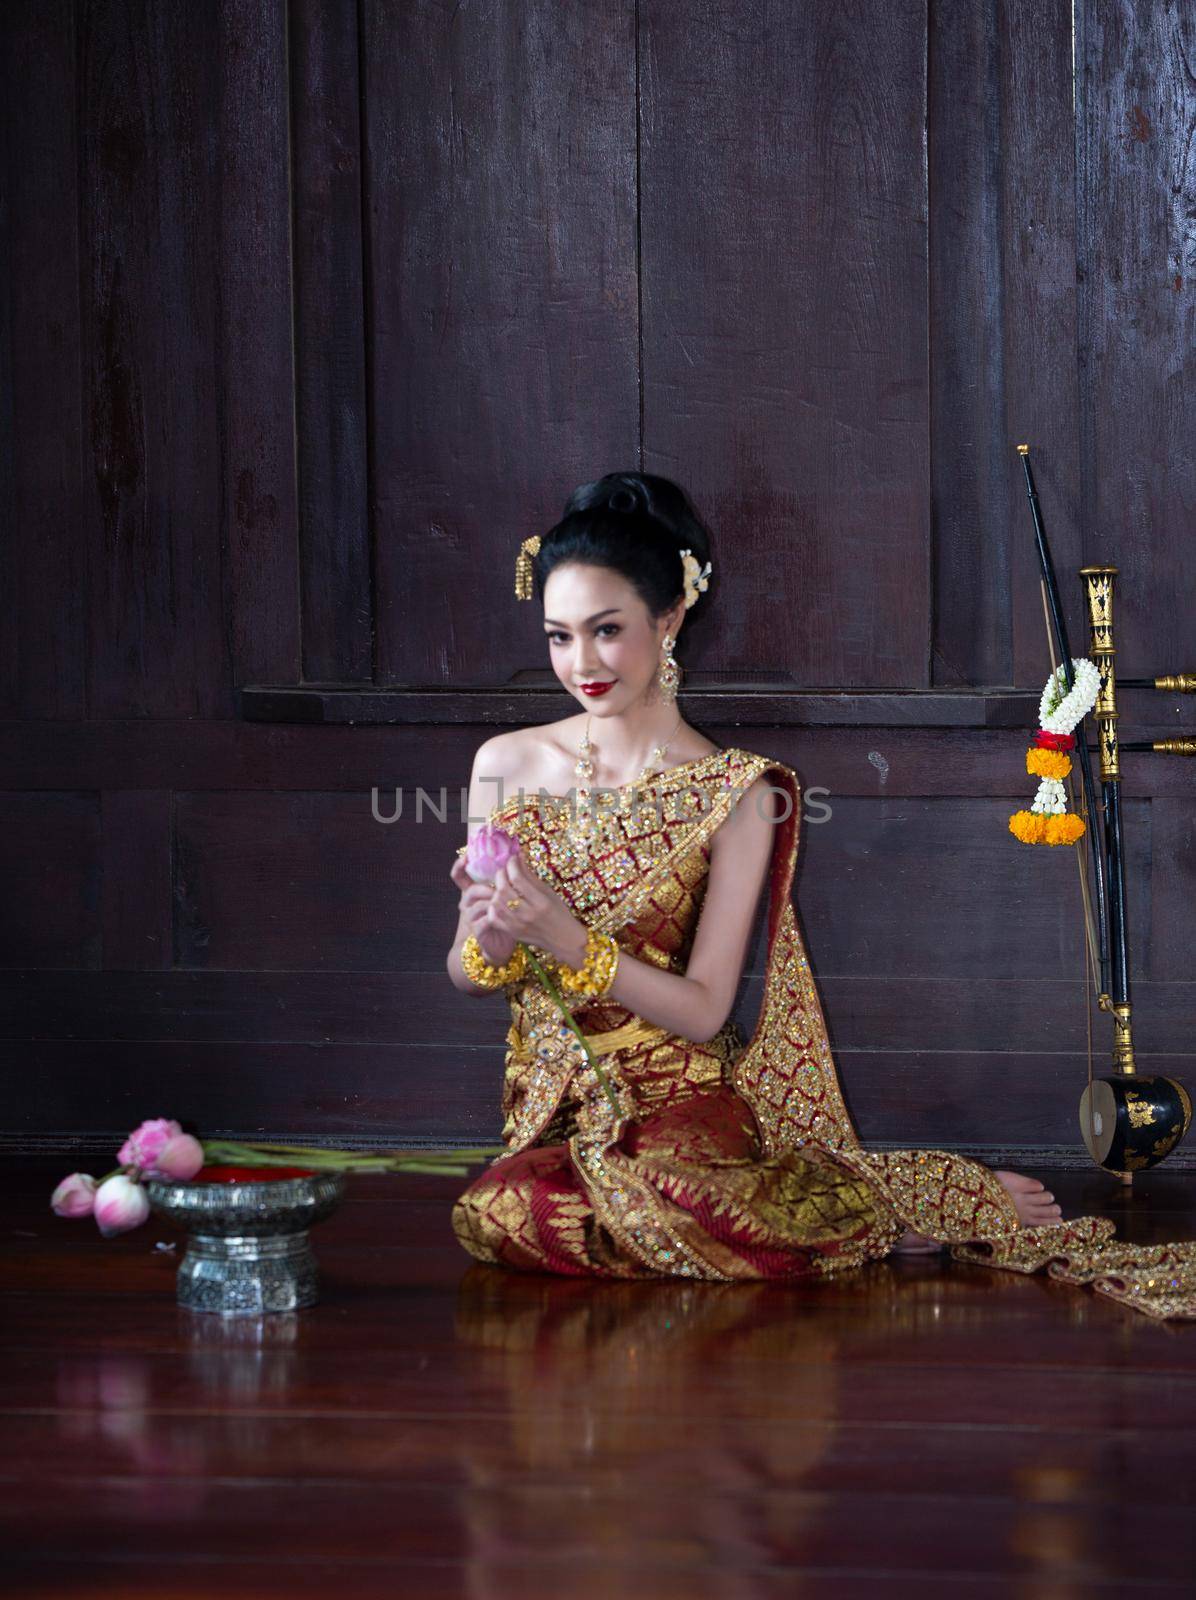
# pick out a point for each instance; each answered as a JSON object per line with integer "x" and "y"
{"x": 632, "y": 1033}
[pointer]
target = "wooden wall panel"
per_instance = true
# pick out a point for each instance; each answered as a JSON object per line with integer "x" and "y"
{"x": 402, "y": 1004}
{"x": 49, "y": 883}
{"x": 503, "y": 329}
{"x": 1173, "y": 841}
{"x": 1136, "y": 110}
{"x": 783, "y": 279}
{"x": 932, "y": 888}
{"x": 307, "y": 880}
{"x": 347, "y": 1093}
{"x": 938, "y": 888}
{"x": 138, "y": 916}
{"x": 311, "y": 936}
{"x": 42, "y": 558}
{"x": 256, "y": 379}
{"x": 855, "y": 759}
{"x": 149, "y": 195}
{"x": 375, "y": 1094}
{"x": 1002, "y": 332}
{"x": 332, "y": 343}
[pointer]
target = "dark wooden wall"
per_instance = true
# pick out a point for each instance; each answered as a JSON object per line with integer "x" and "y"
{"x": 314, "y": 310}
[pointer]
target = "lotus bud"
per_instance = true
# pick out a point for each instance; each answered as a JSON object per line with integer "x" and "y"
{"x": 180, "y": 1158}
{"x": 120, "y": 1204}
{"x": 74, "y": 1196}
{"x": 489, "y": 849}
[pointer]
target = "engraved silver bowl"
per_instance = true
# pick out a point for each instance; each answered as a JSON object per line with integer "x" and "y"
{"x": 247, "y": 1246}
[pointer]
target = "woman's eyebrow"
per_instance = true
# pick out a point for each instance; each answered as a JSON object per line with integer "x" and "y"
{"x": 549, "y": 623}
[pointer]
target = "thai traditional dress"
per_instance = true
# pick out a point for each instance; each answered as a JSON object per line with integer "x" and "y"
{"x": 723, "y": 1160}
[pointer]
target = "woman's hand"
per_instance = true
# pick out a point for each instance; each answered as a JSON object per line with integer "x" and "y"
{"x": 496, "y": 944}
{"x": 540, "y": 916}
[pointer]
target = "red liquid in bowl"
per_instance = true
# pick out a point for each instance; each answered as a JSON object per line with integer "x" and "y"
{"x": 250, "y": 1174}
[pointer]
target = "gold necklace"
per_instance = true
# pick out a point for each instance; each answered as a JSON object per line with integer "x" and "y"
{"x": 583, "y": 826}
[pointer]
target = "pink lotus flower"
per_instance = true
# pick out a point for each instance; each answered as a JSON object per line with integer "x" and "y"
{"x": 158, "y": 1148}
{"x": 120, "y": 1204}
{"x": 180, "y": 1157}
{"x": 488, "y": 850}
{"x": 144, "y": 1145}
{"x": 74, "y": 1196}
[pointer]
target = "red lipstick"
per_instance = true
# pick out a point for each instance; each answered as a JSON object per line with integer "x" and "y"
{"x": 595, "y": 689}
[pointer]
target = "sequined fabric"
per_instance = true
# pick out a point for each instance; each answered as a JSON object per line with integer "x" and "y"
{"x": 724, "y": 1160}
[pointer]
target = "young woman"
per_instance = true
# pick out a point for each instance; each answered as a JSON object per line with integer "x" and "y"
{"x": 643, "y": 850}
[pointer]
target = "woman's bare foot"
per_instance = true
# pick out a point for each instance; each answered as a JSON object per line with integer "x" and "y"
{"x": 913, "y": 1244}
{"x": 1035, "y": 1205}
{"x": 1036, "y": 1208}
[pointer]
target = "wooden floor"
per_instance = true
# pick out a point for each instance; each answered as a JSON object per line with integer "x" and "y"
{"x": 439, "y": 1428}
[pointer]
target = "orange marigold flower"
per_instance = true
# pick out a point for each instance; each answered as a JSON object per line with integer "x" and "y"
{"x": 1064, "y": 829}
{"x": 1047, "y": 763}
{"x": 1028, "y": 826}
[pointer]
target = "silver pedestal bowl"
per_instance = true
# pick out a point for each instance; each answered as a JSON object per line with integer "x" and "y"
{"x": 247, "y": 1247}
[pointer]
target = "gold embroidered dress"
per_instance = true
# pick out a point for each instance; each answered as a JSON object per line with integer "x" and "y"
{"x": 725, "y": 1160}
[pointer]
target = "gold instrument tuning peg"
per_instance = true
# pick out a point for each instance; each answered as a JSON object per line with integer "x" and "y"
{"x": 1177, "y": 683}
{"x": 1175, "y": 747}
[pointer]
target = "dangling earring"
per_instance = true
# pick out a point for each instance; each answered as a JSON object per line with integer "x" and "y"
{"x": 668, "y": 675}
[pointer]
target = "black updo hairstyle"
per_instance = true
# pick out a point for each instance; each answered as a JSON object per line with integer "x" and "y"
{"x": 636, "y": 523}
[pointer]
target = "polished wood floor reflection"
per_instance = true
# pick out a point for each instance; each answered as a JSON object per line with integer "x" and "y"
{"x": 441, "y": 1428}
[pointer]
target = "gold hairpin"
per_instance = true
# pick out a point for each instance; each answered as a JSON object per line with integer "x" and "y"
{"x": 523, "y": 567}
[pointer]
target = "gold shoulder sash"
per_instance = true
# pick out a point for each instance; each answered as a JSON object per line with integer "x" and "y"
{"x": 691, "y": 835}
{"x": 787, "y": 1075}
{"x": 786, "y": 1072}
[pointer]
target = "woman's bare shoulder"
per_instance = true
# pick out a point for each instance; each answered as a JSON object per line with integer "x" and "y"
{"x": 531, "y": 758}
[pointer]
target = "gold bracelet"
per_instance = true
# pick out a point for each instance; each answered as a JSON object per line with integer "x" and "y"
{"x": 597, "y": 973}
{"x": 478, "y": 969}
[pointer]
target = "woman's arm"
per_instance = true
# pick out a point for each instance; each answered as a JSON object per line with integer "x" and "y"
{"x": 490, "y": 762}
{"x": 694, "y": 1004}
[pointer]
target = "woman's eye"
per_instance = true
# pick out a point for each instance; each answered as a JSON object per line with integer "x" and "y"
{"x": 613, "y": 626}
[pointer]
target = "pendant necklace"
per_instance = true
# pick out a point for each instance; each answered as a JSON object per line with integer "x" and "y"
{"x": 583, "y": 826}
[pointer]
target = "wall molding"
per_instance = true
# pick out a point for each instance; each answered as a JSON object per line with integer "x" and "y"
{"x": 1030, "y": 1158}
{"x": 725, "y": 703}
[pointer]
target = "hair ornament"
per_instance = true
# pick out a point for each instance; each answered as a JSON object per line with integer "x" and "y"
{"x": 523, "y": 567}
{"x": 694, "y": 576}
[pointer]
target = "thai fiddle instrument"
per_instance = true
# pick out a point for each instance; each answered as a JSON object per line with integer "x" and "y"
{"x": 1128, "y": 1121}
